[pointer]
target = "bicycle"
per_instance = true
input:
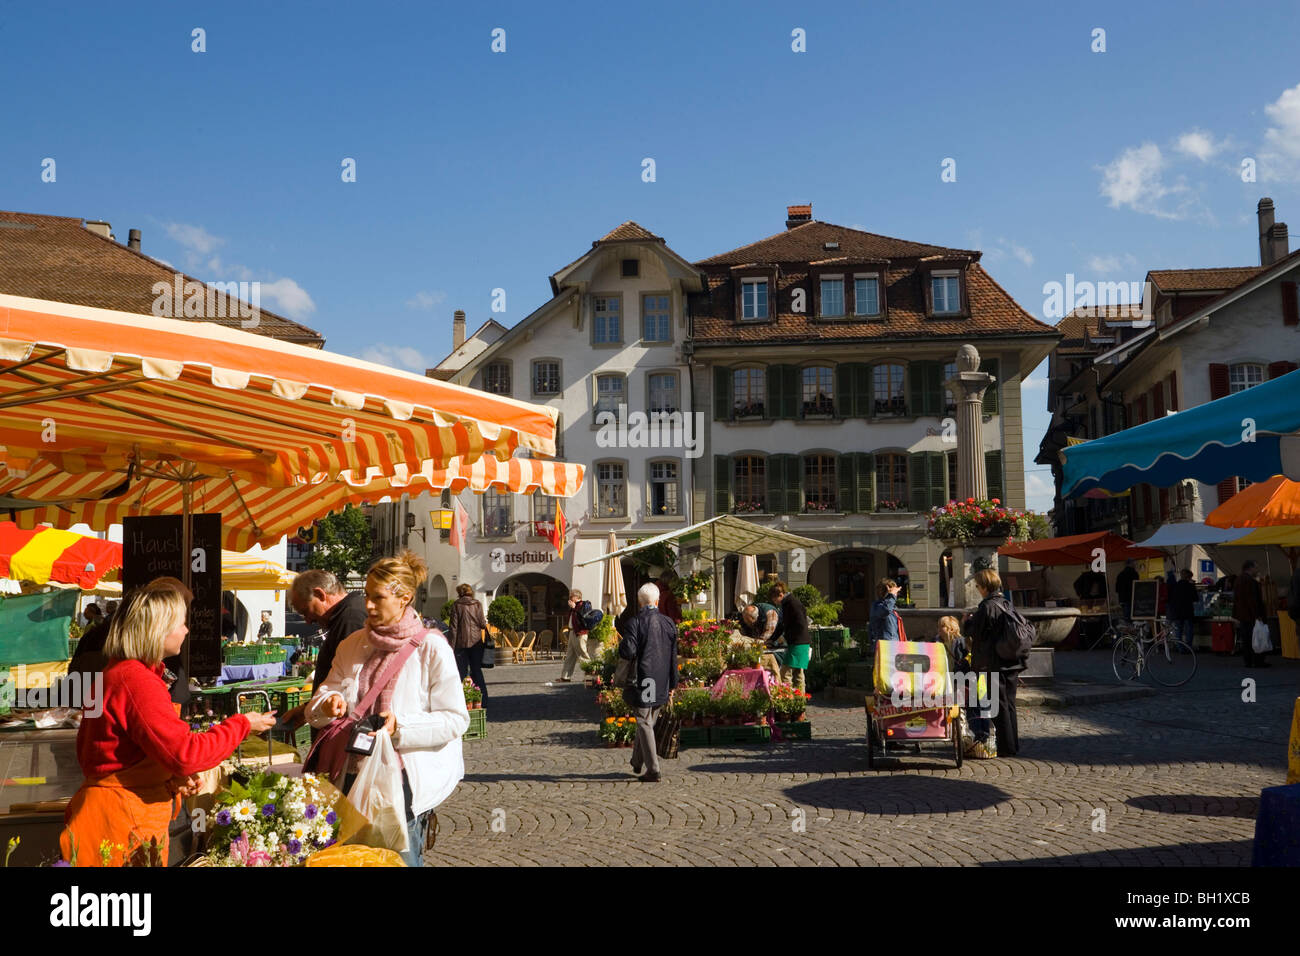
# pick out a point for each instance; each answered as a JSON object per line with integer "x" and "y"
{"x": 1171, "y": 662}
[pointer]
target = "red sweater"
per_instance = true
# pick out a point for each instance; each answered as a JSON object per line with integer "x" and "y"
{"x": 139, "y": 721}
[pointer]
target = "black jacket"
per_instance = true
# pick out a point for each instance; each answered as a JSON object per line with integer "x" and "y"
{"x": 983, "y": 630}
{"x": 1293, "y": 595}
{"x": 794, "y": 622}
{"x": 1182, "y": 601}
{"x": 345, "y": 617}
{"x": 1124, "y": 585}
{"x": 651, "y": 642}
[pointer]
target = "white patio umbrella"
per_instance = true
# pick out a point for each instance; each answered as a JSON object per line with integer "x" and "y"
{"x": 613, "y": 598}
{"x": 746, "y": 580}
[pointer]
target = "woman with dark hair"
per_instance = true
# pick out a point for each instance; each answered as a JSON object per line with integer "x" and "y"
{"x": 793, "y": 626}
{"x": 468, "y": 625}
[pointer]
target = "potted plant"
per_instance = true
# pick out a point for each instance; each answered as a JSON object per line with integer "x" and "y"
{"x": 760, "y": 705}
{"x": 506, "y": 613}
{"x": 473, "y": 696}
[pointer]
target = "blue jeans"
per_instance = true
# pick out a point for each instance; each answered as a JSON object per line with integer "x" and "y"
{"x": 415, "y": 833}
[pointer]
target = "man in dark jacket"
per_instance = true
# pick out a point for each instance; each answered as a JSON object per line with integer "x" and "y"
{"x": 982, "y": 630}
{"x": 1124, "y": 588}
{"x": 1182, "y": 607}
{"x": 794, "y": 628}
{"x": 1247, "y": 608}
{"x": 650, "y": 647}
{"x": 319, "y": 597}
{"x": 467, "y": 628}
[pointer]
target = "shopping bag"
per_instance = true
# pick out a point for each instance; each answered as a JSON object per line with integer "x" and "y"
{"x": 377, "y": 795}
{"x": 1293, "y": 749}
{"x": 1260, "y": 642}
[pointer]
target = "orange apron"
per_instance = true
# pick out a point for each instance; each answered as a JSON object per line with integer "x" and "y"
{"x": 123, "y": 810}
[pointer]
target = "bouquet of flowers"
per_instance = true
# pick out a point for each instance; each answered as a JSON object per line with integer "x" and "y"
{"x": 272, "y": 820}
{"x": 691, "y": 634}
{"x": 970, "y": 519}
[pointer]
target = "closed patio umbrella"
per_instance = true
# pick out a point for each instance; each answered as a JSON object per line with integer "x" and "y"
{"x": 613, "y": 598}
{"x": 746, "y": 580}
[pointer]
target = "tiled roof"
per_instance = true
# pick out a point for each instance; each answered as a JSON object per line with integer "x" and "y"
{"x": 1089, "y": 319}
{"x": 629, "y": 230}
{"x": 1202, "y": 280}
{"x": 993, "y": 311}
{"x": 57, "y": 258}
{"x": 806, "y": 243}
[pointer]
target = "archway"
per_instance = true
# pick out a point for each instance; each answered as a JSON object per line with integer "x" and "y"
{"x": 850, "y": 575}
{"x": 544, "y": 600}
{"x": 435, "y": 596}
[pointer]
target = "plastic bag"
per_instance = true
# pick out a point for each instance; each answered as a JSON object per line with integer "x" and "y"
{"x": 377, "y": 795}
{"x": 1260, "y": 642}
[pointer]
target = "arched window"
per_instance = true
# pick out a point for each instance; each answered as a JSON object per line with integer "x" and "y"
{"x": 498, "y": 520}
{"x": 889, "y": 391}
{"x": 611, "y": 489}
{"x": 749, "y": 484}
{"x": 665, "y": 488}
{"x": 891, "y": 481}
{"x": 819, "y": 483}
{"x": 818, "y": 391}
{"x": 749, "y": 392}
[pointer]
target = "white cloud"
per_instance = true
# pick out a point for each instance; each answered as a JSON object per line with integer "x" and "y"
{"x": 426, "y": 300}
{"x": 1280, "y": 158}
{"x": 1136, "y": 179}
{"x": 194, "y": 238}
{"x": 396, "y": 356}
{"x": 1108, "y": 265}
{"x": 288, "y": 298}
{"x": 1019, "y": 251}
{"x": 1034, "y": 381}
{"x": 1199, "y": 144}
{"x": 1000, "y": 249}
{"x": 1040, "y": 494}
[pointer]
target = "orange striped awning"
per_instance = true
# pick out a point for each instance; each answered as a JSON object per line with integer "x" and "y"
{"x": 44, "y": 555}
{"x": 93, "y": 383}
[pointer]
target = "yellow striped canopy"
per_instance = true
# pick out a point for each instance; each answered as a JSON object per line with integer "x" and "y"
{"x": 253, "y": 572}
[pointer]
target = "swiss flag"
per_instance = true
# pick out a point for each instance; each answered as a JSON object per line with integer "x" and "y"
{"x": 459, "y": 524}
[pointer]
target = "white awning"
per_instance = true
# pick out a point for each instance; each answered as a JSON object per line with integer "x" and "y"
{"x": 721, "y": 536}
{"x": 1181, "y": 534}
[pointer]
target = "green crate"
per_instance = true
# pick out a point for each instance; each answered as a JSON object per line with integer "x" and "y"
{"x": 255, "y": 654}
{"x": 693, "y": 737}
{"x": 477, "y": 724}
{"x": 8, "y": 693}
{"x": 299, "y": 739}
{"x": 723, "y": 736}
{"x": 799, "y": 730}
{"x": 72, "y": 646}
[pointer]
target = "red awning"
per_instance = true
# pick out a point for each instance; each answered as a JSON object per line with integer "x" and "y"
{"x": 1077, "y": 549}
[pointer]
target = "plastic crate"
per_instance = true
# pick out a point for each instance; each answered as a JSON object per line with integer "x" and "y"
{"x": 724, "y": 736}
{"x": 255, "y": 654}
{"x": 799, "y": 730}
{"x": 299, "y": 739}
{"x": 8, "y": 693}
{"x": 477, "y": 724}
{"x": 693, "y": 737}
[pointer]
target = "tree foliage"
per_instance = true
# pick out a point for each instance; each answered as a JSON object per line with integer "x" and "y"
{"x": 343, "y": 543}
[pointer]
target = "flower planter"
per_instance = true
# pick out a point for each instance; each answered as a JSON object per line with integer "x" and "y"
{"x": 796, "y": 730}
{"x": 477, "y": 724}
{"x": 693, "y": 737}
{"x": 731, "y": 736}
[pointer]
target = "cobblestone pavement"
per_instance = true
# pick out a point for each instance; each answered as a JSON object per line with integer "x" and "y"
{"x": 1171, "y": 779}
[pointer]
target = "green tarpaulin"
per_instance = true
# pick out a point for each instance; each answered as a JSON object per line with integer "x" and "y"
{"x": 34, "y": 627}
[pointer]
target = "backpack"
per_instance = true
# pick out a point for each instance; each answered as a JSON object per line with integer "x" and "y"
{"x": 1017, "y": 638}
{"x": 592, "y": 618}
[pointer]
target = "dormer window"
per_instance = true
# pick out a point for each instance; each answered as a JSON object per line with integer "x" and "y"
{"x": 866, "y": 295}
{"x": 945, "y": 292}
{"x": 832, "y": 297}
{"x": 753, "y": 299}
{"x": 631, "y": 268}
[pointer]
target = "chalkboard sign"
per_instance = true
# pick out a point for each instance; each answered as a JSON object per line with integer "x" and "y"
{"x": 151, "y": 548}
{"x": 1146, "y": 598}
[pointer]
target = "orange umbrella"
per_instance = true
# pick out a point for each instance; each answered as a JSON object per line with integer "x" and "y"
{"x": 1260, "y": 505}
{"x": 45, "y": 555}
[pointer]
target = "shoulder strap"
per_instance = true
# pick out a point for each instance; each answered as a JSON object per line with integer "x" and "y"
{"x": 389, "y": 672}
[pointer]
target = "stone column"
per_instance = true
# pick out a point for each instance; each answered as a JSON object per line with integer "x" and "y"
{"x": 968, "y": 387}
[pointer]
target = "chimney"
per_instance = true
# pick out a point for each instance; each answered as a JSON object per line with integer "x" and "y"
{"x": 1279, "y": 246}
{"x": 457, "y": 329}
{"x": 133, "y": 240}
{"x": 1265, "y": 212}
{"x": 100, "y": 228}
{"x": 798, "y": 215}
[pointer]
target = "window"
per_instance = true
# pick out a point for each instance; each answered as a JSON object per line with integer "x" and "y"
{"x": 498, "y": 522}
{"x": 611, "y": 395}
{"x": 952, "y": 475}
{"x": 543, "y": 515}
{"x": 818, "y": 394}
{"x": 611, "y": 490}
{"x": 662, "y": 387}
{"x": 866, "y": 295}
{"x": 1242, "y": 377}
{"x": 496, "y": 378}
{"x": 665, "y": 488}
{"x": 750, "y": 392}
{"x": 749, "y": 484}
{"x": 832, "y": 302}
{"x": 656, "y": 319}
{"x": 753, "y": 298}
{"x": 607, "y": 327}
{"x": 631, "y": 268}
{"x": 945, "y": 293}
{"x": 819, "y": 483}
{"x": 949, "y": 402}
{"x": 546, "y": 378}
{"x": 891, "y": 482}
{"x": 887, "y": 389}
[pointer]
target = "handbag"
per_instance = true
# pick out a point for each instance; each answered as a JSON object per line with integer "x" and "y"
{"x": 667, "y": 735}
{"x": 1260, "y": 642}
{"x": 489, "y": 651}
{"x": 329, "y": 753}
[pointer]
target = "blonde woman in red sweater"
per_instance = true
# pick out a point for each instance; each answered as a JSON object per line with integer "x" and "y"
{"x": 137, "y": 755}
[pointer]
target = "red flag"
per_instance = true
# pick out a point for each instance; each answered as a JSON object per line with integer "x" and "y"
{"x": 557, "y": 530}
{"x": 459, "y": 524}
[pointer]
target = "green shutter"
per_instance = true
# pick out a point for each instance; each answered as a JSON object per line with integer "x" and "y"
{"x": 991, "y": 393}
{"x": 845, "y": 496}
{"x": 865, "y": 482}
{"x": 938, "y": 478}
{"x": 721, "y": 485}
{"x": 722, "y": 392}
{"x": 862, "y": 391}
{"x": 775, "y": 468}
{"x": 934, "y": 389}
{"x": 993, "y": 470}
{"x": 791, "y": 392}
{"x": 915, "y": 373}
{"x": 918, "y": 482}
{"x": 772, "y": 375}
{"x": 793, "y": 484}
{"x": 844, "y": 390}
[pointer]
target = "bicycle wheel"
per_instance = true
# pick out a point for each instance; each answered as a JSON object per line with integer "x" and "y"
{"x": 1171, "y": 662}
{"x": 1126, "y": 659}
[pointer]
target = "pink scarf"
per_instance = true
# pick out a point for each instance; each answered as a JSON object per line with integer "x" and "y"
{"x": 387, "y": 641}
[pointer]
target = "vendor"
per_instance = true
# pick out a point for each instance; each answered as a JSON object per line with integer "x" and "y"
{"x": 138, "y": 755}
{"x": 760, "y": 621}
{"x": 264, "y": 629}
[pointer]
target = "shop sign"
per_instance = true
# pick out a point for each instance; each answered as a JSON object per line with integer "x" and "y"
{"x": 501, "y": 558}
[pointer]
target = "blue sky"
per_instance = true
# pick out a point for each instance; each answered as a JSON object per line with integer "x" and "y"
{"x": 479, "y": 170}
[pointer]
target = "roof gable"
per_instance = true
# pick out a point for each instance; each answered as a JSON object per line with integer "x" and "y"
{"x": 806, "y": 243}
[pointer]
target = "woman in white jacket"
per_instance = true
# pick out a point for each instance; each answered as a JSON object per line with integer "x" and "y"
{"x": 423, "y": 706}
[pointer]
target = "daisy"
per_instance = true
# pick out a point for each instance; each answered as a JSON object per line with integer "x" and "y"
{"x": 244, "y": 811}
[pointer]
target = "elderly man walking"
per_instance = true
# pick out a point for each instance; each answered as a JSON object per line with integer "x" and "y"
{"x": 650, "y": 648}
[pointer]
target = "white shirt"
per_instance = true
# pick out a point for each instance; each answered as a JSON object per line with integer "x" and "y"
{"x": 428, "y": 704}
